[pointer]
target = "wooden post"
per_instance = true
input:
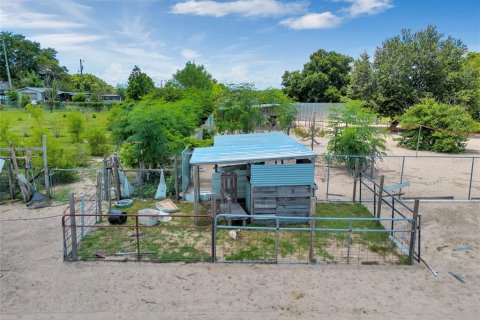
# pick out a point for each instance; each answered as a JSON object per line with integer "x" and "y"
{"x": 105, "y": 177}
{"x": 99, "y": 195}
{"x": 116, "y": 177}
{"x": 45, "y": 166}
{"x": 355, "y": 179}
{"x": 313, "y": 203}
{"x": 73, "y": 225}
{"x": 10, "y": 179}
{"x": 196, "y": 193}
{"x": 175, "y": 172}
{"x": 414, "y": 231}
{"x": 380, "y": 197}
{"x": 23, "y": 188}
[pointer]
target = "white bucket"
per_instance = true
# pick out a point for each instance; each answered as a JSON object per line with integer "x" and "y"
{"x": 148, "y": 221}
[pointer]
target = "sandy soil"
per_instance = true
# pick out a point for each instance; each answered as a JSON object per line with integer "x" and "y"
{"x": 37, "y": 284}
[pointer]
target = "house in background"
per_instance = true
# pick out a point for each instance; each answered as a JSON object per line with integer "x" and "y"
{"x": 4, "y": 87}
{"x": 35, "y": 94}
{"x": 110, "y": 98}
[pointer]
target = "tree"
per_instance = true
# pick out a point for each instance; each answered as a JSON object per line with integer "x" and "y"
{"x": 436, "y": 127}
{"x": 89, "y": 83}
{"x": 323, "y": 79}
{"x": 121, "y": 90}
{"x": 31, "y": 79}
{"x": 97, "y": 141}
{"x": 352, "y": 132}
{"x": 362, "y": 81}
{"x": 76, "y": 125}
{"x": 25, "y": 56}
{"x": 239, "y": 110}
{"x": 139, "y": 84}
{"x": 413, "y": 66}
{"x": 193, "y": 76}
{"x": 79, "y": 97}
{"x": 51, "y": 97}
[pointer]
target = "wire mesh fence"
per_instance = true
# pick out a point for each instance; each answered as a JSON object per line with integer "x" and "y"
{"x": 422, "y": 177}
{"x": 76, "y": 180}
{"x": 313, "y": 240}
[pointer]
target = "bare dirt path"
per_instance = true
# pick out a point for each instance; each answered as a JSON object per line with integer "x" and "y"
{"x": 37, "y": 284}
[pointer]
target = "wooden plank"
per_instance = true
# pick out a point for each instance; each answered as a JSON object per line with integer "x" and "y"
{"x": 294, "y": 191}
{"x": 292, "y": 211}
{"x": 264, "y": 211}
{"x": 293, "y": 201}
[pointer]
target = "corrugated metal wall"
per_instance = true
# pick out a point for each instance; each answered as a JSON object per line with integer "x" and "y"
{"x": 282, "y": 175}
{"x": 307, "y": 110}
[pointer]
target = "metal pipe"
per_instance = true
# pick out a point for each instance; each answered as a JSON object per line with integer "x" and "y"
{"x": 471, "y": 178}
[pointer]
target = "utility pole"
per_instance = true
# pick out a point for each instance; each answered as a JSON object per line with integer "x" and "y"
{"x": 6, "y": 64}
{"x": 81, "y": 74}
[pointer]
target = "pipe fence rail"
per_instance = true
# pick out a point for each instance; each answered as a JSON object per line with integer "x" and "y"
{"x": 383, "y": 203}
{"x": 87, "y": 235}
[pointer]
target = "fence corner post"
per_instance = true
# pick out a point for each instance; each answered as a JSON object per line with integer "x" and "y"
{"x": 175, "y": 170}
{"x": 413, "y": 233}
{"x": 73, "y": 225}
{"x": 355, "y": 180}
{"x": 380, "y": 196}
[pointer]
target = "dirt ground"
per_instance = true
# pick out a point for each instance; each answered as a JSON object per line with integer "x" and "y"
{"x": 37, "y": 284}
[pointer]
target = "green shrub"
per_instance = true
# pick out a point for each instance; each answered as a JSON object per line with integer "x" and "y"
{"x": 76, "y": 125}
{"x": 444, "y": 128}
{"x": 352, "y": 132}
{"x": 79, "y": 97}
{"x": 97, "y": 141}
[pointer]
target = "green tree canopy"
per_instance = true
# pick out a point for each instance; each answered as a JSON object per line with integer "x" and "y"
{"x": 413, "y": 66}
{"x": 323, "y": 79}
{"x": 139, "y": 84}
{"x": 193, "y": 76}
{"x": 437, "y": 127}
{"x": 26, "y": 57}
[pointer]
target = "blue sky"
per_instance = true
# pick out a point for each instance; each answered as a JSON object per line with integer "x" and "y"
{"x": 237, "y": 40}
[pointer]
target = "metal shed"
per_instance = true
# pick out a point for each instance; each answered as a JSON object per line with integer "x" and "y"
{"x": 275, "y": 174}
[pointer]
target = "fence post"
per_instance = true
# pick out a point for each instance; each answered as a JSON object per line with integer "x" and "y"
{"x": 105, "y": 177}
{"x": 73, "y": 225}
{"x": 471, "y": 178}
{"x": 414, "y": 231}
{"x": 137, "y": 232}
{"x": 196, "y": 192}
{"x": 355, "y": 180}
{"x": 82, "y": 217}
{"x": 99, "y": 196}
{"x": 45, "y": 166}
{"x": 277, "y": 235}
{"x": 349, "y": 240}
{"x": 328, "y": 177}
{"x": 311, "y": 255}
{"x": 401, "y": 176}
{"x": 116, "y": 177}
{"x": 214, "y": 225}
{"x": 360, "y": 188}
{"x": 175, "y": 170}
{"x": 380, "y": 196}
{"x": 419, "y": 236}
{"x": 10, "y": 179}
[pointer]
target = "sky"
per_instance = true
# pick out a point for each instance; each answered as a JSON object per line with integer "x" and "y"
{"x": 236, "y": 40}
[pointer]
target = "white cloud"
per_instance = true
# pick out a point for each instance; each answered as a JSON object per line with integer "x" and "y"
{"x": 247, "y": 8}
{"x": 324, "y": 20}
{"x": 67, "y": 41}
{"x": 190, "y": 54}
{"x": 15, "y": 15}
{"x": 369, "y": 7}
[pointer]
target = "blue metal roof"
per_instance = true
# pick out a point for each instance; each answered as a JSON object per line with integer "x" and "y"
{"x": 255, "y": 147}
